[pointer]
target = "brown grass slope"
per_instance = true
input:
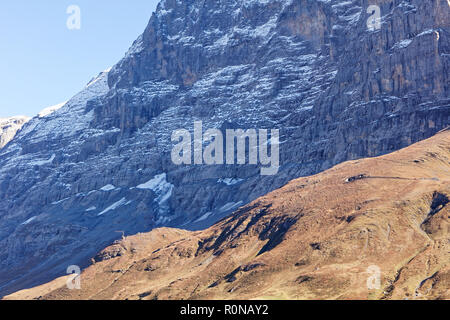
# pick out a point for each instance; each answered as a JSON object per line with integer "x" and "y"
{"x": 312, "y": 239}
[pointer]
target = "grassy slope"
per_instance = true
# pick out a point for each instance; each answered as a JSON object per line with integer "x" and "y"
{"x": 312, "y": 239}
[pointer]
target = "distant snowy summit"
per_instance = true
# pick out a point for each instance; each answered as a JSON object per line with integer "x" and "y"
{"x": 9, "y": 128}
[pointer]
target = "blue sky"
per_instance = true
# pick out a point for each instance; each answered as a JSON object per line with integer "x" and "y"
{"x": 43, "y": 63}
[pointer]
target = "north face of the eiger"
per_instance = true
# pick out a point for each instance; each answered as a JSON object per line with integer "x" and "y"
{"x": 72, "y": 181}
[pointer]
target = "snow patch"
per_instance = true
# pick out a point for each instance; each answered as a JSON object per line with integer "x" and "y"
{"x": 114, "y": 206}
{"x": 230, "y": 181}
{"x": 160, "y": 186}
{"x": 108, "y": 187}
{"x": 29, "y": 220}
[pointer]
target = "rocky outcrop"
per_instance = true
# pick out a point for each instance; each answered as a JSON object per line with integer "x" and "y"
{"x": 9, "y": 128}
{"x": 311, "y": 68}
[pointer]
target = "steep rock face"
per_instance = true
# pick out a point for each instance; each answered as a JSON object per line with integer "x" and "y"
{"x": 311, "y": 68}
{"x": 394, "y": 88}
{"x": 9, "y": 128}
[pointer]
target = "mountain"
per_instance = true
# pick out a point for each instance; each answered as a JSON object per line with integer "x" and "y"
{"x": 319, "y": 237}
{"x": 102, "y": 163}
{"x": 9, "y": 128}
